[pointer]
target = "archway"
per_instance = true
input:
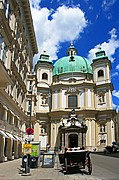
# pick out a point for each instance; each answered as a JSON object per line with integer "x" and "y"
{"x": 73, "y": 140}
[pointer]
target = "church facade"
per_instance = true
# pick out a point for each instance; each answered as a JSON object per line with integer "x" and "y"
{"x": 74, "y": 101}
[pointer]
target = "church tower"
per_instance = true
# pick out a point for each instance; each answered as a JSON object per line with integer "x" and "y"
{"x": 103, "y": 98}
{"x": 101, "y": 75}
{"x": 43, "y": 71}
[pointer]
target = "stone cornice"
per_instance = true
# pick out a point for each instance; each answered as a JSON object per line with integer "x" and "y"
{"x": 29, "y": 22}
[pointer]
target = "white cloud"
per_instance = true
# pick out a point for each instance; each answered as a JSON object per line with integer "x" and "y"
{"x": 115, "y": 93}
{"x": 52, "y": 28}
{"x": 117, "y": 67}
{"x": 109, "y": 47}
{"x": 107, "y": 4}
{"x": 35, "y": 3}
{"x": 114, "y": 74}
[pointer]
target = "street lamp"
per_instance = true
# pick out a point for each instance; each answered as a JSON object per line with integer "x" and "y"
{"x": 30, "y": 120}
{"x": 29, "y": 131}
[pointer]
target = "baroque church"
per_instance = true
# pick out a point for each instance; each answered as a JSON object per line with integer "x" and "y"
{"x": 68, "y": 103}
{"x": 74, "y": 101}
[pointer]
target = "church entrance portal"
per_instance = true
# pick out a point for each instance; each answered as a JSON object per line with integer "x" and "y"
{"x": 73, "y": 140}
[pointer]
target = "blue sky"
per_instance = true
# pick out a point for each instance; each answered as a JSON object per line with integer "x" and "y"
{"x": 90, "y": 24}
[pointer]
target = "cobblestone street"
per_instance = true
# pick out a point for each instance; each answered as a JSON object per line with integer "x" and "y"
{"x": 10, "y": 171}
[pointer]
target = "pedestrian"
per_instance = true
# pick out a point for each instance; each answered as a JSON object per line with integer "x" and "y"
{"x": 47, "y": 147}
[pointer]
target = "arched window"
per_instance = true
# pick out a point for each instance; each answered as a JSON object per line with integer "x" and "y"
{"x": 44, "y": 76}
{"x": 72, "y": 101}
{"x": 100, "y": 73}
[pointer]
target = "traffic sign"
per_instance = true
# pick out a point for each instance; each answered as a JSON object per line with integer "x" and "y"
{"x": 27, "y": 148}
{"x": 27, "y": 145}
{"x": 30, "y": 131}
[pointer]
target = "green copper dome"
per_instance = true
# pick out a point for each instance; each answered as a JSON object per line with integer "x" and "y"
{"x": 70, "y": 64}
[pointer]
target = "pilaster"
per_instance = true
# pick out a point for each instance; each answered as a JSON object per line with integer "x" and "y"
{"x": 109, "y": 133}
{"x": 86, "y": 98}
{"x": 36, "y": 132}
{"x": 60, "y": 99}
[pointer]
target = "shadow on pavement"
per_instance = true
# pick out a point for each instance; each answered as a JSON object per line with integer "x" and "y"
{"x": 74, "y": 170}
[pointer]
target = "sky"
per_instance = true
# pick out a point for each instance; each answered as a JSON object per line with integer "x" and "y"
{"x": 89, "y": 24}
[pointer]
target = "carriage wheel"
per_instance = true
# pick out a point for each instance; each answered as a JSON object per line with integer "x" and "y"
{"x": 89, "y": 166}
{"x": 66, "y": 168}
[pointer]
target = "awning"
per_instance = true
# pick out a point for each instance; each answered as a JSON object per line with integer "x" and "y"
{"x": 3, "y": 134}
{"x": 18, "y": 138}
{"x": 10, "y": 135}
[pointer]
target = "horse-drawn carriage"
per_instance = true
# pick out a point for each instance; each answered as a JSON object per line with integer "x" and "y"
{"x": 74, "y": 158}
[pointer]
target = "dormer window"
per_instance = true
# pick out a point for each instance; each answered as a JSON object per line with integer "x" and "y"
{"x": 45, "y": 76}
{"x": 100, "y": 73}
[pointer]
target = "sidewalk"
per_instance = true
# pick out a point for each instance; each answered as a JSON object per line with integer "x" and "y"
{"x": 9, "y": 171}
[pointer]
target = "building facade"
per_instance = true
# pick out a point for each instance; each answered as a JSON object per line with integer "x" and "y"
{"x": 17, "y": 48}
{"x": 116, "y": 126}
{"x": 74, "y": 101}
{"x": 68, "y": 103}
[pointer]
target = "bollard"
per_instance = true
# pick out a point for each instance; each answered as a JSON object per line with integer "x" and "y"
{"x": 27, "y": 165}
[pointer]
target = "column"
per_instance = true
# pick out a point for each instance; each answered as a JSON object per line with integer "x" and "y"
{"x": 110, "y": 99}
{"x": 88, "y": 134}
{"x": 79, "y": 99}
{"x": 66, "y": 140}
{"x": 16, "y": 149}
{"x": 9, "y": 149}
{"x": 93, "y": 98}
{"x": 86, "y": 98}
{"x": 79, "y": 139}
{"x": 5, "y": 113}
{"x": 52, "y": 135}
{"x": 36, "y": 132}
{"x": 93, "y": 133}
{"x": 108, "y": 73}
{"x": 63, "y": 140}
{"x": 2, "y": 142}
{"x": 109, "y": 132}
{"x": 60, "y": 99}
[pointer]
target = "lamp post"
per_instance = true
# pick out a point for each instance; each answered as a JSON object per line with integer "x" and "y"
{"x": 30, "y": 120}
{"x": 29, "y": 131}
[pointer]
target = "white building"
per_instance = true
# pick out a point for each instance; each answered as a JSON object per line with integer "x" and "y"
{"x": 17, "y": 48}
{"x": 74, "y": 101}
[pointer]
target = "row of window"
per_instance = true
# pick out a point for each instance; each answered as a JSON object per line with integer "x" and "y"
{"x": 100, "y": 74}
{"x": 72, "y": 101}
